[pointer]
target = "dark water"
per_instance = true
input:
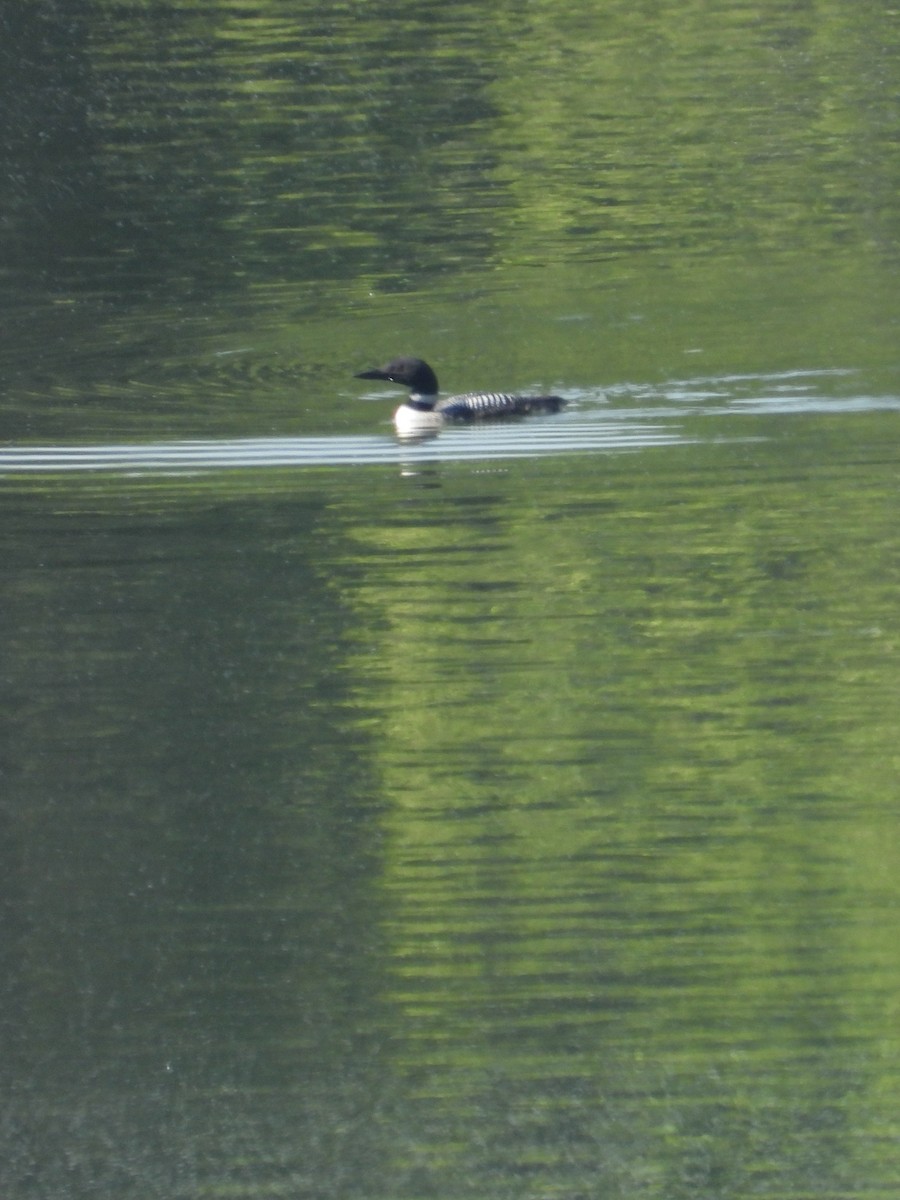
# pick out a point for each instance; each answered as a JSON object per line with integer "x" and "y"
{"x": 509, "y": 815}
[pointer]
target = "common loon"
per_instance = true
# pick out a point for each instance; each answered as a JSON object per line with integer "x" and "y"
{"x": 424, "y": 413}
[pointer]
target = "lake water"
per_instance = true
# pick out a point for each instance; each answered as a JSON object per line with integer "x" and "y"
{"x": 512, "y": 814}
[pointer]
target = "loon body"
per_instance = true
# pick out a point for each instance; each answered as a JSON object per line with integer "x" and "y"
{"x": 423, "y": 413}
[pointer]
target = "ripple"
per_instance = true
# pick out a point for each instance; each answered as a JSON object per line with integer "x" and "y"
{"x": 525, "y": 440}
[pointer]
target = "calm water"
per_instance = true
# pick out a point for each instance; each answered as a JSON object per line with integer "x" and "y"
{"x": 509, "y": 815}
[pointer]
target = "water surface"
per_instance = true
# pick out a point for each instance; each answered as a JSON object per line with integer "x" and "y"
{"x": 507, "y": 815}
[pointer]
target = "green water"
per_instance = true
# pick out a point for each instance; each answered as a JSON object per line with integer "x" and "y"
{"x": 508, "y": 816}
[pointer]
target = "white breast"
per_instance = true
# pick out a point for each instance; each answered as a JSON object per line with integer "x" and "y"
{"x": 413, "y": 422}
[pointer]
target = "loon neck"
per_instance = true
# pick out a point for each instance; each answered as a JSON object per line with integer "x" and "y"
{"x": 421, "y": 402}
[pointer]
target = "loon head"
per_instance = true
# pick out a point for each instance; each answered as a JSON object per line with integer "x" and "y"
{"x": 411, "y": 372}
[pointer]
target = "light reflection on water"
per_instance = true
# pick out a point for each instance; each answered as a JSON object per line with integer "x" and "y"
{"x": 519, "y": 441}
